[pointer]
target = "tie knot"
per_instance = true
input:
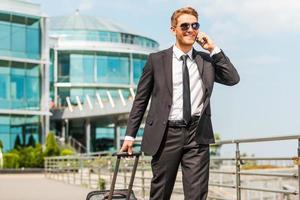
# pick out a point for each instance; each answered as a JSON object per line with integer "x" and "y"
{"x": 184, "y": 57}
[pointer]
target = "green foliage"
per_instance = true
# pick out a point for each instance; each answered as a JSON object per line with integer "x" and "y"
{"x": 31, "y": 157}
{"x": 1, "y": 144}
{"x": 101, "y": 184}
{"x": 67, "y": 152}
{"x": 11, "y": 160}
{"x": 52, "y": 148}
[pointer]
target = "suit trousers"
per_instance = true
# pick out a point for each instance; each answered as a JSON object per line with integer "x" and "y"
{"x": 179, "y": 147}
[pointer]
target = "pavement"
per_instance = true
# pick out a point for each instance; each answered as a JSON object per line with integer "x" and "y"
{"x": 37, "y": 187}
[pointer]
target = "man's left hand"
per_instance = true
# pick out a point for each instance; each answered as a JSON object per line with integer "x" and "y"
{"x": 205, "y": 42}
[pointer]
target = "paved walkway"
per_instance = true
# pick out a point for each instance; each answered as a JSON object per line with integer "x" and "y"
{"x": 37, "y": 187}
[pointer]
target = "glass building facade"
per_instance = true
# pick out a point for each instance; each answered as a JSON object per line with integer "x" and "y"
{"x": 22, "y": 110}
{"x": 94, "y": 56}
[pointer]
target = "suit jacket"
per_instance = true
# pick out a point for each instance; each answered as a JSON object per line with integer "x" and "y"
{"x": 156, "y": 82}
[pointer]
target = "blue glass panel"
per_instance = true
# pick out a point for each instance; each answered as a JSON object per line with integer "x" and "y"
{"x": 33, "y": 43}
{"x": 17, "y": 86}
{"x": 63, "y": 67}
{"x": 4, "y": 37}
{"x": 88, "y": 66}
{"x": 101, "y": 67}
{"x": 113, "y": 69}
{"x": 104, "y": 132}
{"x": 115, "y": 37}
{"x": 62, "y": 94}
{"x": 32, "y": 92}
{"x": 76, "y": 71}
{"x": 32, "y": 70}
{"x": 104, "y": 36}
{"x": 138, "y": 66}
{"x": 18, "y": 34}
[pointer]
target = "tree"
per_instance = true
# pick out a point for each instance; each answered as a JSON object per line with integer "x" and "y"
{"x": 18, "y": 144}
{"x": 52, "y": 148}
{"x": 31, "y": 141}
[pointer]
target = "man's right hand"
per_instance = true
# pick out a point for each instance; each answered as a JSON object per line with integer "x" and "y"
{"x": 127, "y": 146}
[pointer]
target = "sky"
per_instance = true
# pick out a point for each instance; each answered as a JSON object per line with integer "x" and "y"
{"x": 261, "y": 38}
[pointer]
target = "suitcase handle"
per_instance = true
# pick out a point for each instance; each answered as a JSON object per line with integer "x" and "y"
{"x": 116, "y": 194}
{"x": 119, "y": 155}
{"x": 125, "y": 154}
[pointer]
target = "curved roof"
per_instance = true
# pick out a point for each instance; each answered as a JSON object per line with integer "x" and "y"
{"x": 83, "y": 22}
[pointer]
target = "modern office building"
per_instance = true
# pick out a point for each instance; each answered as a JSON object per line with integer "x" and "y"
{"x": 96, "y": 65}
{"x": 84, "y": 70}
{"x": 24, "y": 82}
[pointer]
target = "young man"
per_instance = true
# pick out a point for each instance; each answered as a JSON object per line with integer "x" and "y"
{"x": 178, "y": 127}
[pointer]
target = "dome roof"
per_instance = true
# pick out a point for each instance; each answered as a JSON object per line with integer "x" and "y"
{"x": 83, "y": 22}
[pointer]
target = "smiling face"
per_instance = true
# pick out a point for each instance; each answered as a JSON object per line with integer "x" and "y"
{"x": 185, "y": 38}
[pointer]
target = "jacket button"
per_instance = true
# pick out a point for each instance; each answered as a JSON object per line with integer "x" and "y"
{"x": 164, "y": 122}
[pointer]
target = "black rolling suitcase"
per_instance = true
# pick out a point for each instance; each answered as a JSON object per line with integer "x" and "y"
{"x": 125, "y": 194}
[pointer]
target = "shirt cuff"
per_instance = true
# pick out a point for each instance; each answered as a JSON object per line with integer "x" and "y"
{"x": 129, "y": 138}
{"x": 215, "y": 51}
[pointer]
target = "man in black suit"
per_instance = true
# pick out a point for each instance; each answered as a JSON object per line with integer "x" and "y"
{"x": 178, "y": 129}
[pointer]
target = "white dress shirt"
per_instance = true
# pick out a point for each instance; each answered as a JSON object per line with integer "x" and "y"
{"x": 196, "y": 85}
{"x": 196, "y": 90}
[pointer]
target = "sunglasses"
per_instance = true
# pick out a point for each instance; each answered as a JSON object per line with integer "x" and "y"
{"x": 186, "y": 26}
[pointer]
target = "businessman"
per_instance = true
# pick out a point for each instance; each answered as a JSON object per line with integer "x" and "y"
{"x": 178, "y": 128}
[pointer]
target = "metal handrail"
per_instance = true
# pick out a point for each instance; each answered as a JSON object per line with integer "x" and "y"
{"x": 76, "y": 145}
{"x": 87, "y": 163}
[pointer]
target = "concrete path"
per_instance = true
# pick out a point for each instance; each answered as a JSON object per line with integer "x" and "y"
{"x": 37, "y": 187}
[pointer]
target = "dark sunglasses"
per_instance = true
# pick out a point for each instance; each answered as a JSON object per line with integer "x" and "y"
{"x": 186, "y": 26}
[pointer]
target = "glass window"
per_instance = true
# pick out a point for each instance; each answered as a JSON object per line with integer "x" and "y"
{"x": 63, "y": 67}
{"x": 62, "y": 94}
{"x": 33, "y": 92}
{"x": 76, "y": 71}
{"x": 115, "y": 37}
{"x": 138, "y": 66}
{"x": 106, "y": 132}
{"x": 4, "y": 85}
{"x": 113, "y": 69}
{"x": 33, "y": 43}
{"x": 88, "y": 68}
{"x": 103, "y": 36}
{"x": 4, "y": 17}
{"x": 18, "y": 42}
{"x": 5, "y": 36}
{"x": 17, "y": 85}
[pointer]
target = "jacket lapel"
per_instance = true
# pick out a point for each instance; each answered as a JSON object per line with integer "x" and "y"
{"x": 167, "y": 61}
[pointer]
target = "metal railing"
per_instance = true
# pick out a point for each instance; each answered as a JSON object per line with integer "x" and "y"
{"x": 80, "y": 148}
{"x": 280, "y": 179}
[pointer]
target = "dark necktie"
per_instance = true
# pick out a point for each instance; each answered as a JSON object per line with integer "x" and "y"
{"x": 186, "y": 91}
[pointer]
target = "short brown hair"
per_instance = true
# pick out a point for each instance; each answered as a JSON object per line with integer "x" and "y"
{"x": 181, "y": 11}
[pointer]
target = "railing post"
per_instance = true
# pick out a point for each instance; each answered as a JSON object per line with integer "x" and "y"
{"x": 238, "y": 169}
{"x": 143, "y": 176}
{"x": 298, "y": 169}
{"x": 125, "y": 174}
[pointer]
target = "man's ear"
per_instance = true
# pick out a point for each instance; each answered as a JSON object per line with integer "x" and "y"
{"x": 172, "y": 29}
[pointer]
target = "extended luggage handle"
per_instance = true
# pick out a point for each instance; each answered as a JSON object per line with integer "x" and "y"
{"x": 119, "y": 156}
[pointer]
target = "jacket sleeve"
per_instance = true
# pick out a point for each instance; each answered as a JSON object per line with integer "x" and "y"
{"x": 143, "y": 94}
{"x": 225, "y": 72}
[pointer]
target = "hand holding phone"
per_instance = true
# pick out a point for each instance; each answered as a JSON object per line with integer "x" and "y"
{"x": 205, "y": 42}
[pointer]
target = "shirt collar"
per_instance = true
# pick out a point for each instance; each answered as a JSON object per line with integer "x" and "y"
{"x": 178, "y": 53}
